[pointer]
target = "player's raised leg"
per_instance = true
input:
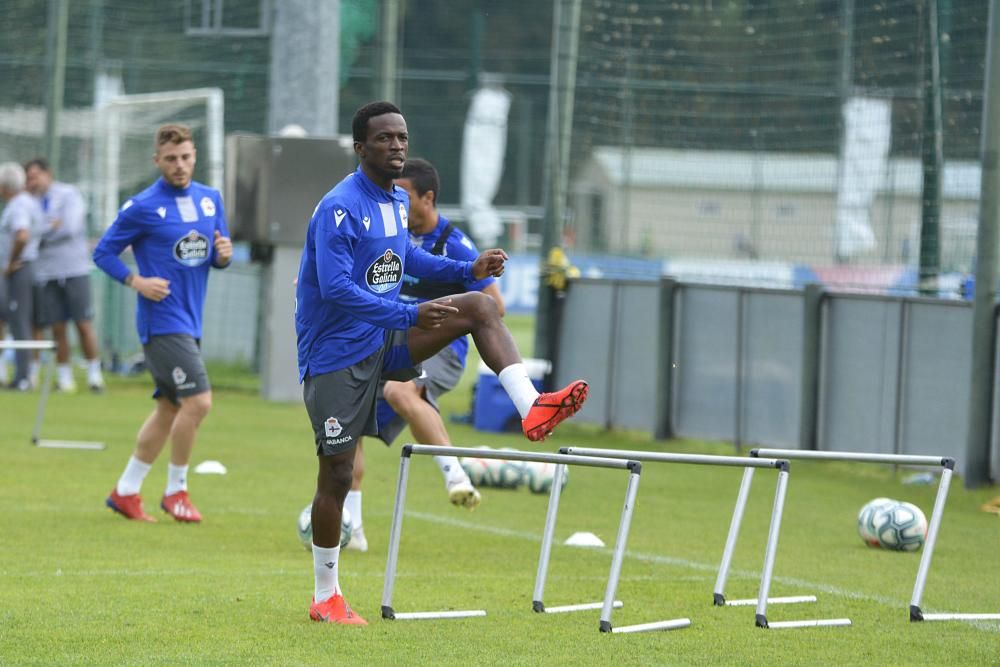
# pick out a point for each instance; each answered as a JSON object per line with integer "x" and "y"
{"x": 409, "y": 401}
{"x": 478, "y": 315}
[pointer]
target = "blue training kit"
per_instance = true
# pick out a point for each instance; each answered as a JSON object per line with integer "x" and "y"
{"x": 351, "y": 271}
{"x": 171, "y": 231}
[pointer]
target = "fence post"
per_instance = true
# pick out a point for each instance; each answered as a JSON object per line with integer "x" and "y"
{"x": 812, "y": 317}
{"x": 664, "y": 427}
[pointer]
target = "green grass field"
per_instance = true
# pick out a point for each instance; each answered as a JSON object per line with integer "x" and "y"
{"x": 80, "y": 585}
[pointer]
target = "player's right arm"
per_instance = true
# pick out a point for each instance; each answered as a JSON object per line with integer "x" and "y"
{"x": 335, "y": 247}
{"x": 123, "y": 232}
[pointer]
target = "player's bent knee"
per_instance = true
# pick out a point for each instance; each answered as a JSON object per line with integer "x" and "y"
{"x": 479, "y": 306}
{"x": 197, "y": 405}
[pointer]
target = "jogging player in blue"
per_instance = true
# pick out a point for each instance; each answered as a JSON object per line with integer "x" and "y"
{"x": 177, "y": 230}
{"x": 415, "y": 403}
{"x": 353, "y": 332}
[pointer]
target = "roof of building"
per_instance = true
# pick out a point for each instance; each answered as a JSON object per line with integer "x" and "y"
{"x": 774, "y": 171}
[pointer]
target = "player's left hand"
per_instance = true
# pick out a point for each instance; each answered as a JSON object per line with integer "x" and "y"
{"x": 489, "y": 263}
{"x": 223, "y": 249}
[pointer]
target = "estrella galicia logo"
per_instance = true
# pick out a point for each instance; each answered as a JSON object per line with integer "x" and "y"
{"x": 385, "y": 272}
{"x": 191, "y": 249}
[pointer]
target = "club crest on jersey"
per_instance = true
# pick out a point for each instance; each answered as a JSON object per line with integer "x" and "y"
{"x": 332, "y": 427}
{"x": 192, "y": 248}
{"x": 385, "y": 272}
{"x": 207, "y": 206}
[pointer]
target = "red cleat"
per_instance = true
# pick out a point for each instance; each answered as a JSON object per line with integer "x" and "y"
{"x": 179, "y": 506}
{"x": 129, "y": 507}
{"x": 549, "y": 410}
{"x": 335, "y": 610}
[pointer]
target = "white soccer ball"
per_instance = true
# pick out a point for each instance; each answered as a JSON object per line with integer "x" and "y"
{"x": 478, "y": 470}
{"x": 507, "y": 474}
{"x": 866, "y": 529}
{"x": 305, "y": 529}
{"x": 900, "y": 527}
{"x": 540, "y": 476}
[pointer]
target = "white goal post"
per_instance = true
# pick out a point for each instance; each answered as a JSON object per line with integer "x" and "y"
{"x": 129, "y": 118}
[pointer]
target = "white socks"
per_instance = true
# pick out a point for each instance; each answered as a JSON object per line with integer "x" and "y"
{"x": 352, "y": 503}
{"x": 94, "y": 376}
{"x": 131, "y": 480}
{"x": 325, "y": 569}
{"x": 518, "y": 386}
{"x": 176, "y": 479}
{"x": 64, "y": 376}
{"x": 451, "y": 469}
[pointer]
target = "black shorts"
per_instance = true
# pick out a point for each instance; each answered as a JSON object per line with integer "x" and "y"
{"x": 174, "y": 361}
{"x": 63, "y": 299}
{"x": 341, "y": 403}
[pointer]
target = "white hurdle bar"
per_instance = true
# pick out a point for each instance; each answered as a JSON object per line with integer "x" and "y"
{"x": 947, "y": 466}
{"x": 633, "y": 467}
{"x": 770, "y": 552}
{"x": 47, "y": 348}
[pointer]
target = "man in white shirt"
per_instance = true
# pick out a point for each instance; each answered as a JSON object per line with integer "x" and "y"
{"x": 62, "y": 273}
{"x": 19, "y": 222}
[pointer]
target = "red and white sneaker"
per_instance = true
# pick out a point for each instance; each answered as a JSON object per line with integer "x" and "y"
{"x": 549, "y": 410}
{"x": 335, "y": 610}
{"x": 179, "y": 506}
{"x": 129, "y": 507}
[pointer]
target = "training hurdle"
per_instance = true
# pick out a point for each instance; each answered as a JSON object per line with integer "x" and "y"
{"x": 633, "y": 467}
{"x": 947, "y": 466}
{"x": 771, "y": 549}
{"x": 48, "y": 349}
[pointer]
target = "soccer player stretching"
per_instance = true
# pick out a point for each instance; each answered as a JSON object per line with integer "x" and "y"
{"x": 177, "y": 230}
{"x": 352, "y": 331}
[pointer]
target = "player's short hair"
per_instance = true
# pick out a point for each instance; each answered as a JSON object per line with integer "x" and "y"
{"x": 172, "y": 133}
{"x": 424, "y": 177}
{"x": 39, "y": 163}
{"x": 359, "y": 125}
{"x": 12, "y": 176}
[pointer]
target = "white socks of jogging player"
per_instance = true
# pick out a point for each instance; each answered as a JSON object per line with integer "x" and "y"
{"x": 517, "y": 384}
{"x": 352, "y": 503}
{"x": 135, "y": 473}
{"x": 325, "y": 568}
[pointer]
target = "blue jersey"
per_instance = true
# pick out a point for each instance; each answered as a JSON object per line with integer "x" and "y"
{"x": 351, "y": 271}
{"x": 457, "y": 246}
{"x": 171, "y": 231}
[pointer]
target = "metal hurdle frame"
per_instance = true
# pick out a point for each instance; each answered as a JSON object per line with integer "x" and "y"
{"x": 560, "y": 460}
{"x": 947, "y": 466}
{"x": 771, "y": 549}
{"x": 48, "y": 349}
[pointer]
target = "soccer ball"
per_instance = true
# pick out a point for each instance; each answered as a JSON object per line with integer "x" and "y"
{"x": 866, "y": 529}
{"x": 305, "y": 529}
{"x": 478, "y": 470}
{"x": 507, "y": 474}
{"x": 900, "y": 527}
{"x": 540, "y": 476}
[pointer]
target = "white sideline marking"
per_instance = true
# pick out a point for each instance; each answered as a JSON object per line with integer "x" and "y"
{"x": 682, "y": 562}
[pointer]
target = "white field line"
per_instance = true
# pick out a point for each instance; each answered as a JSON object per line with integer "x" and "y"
{"x": 684, "y": 563}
